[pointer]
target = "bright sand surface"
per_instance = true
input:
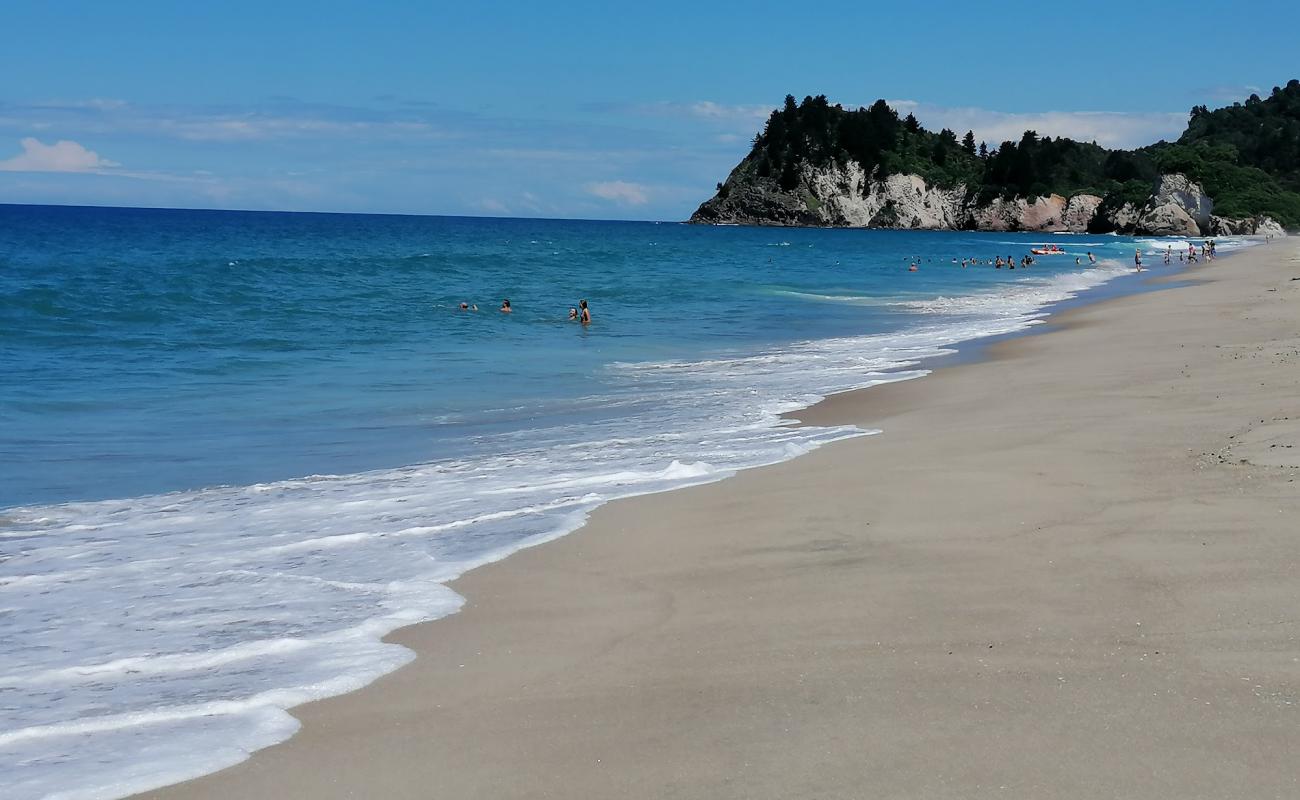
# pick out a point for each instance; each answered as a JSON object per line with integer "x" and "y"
{"x": 1071, "y": 569}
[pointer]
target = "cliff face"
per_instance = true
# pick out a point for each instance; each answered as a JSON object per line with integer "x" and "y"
{"x": 844, "y": 196}
{"x": 1051, "y": 213}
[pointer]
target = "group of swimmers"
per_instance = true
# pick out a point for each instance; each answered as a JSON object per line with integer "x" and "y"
{"x": 1207, "y": 253}
{"x": 1010, "y": 262}
{"x": 579, "y": 314}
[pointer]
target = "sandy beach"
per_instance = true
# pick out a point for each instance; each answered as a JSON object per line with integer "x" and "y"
{"x": 1066, "y": 570}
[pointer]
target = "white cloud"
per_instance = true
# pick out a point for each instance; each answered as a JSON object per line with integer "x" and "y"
{"x": 707, "y": 109}
{"x": 491, "y": 205}
{"x": 62, "y": 156}
{"x": 738, "y": 116}
{"x": 1231, "y": 94}
{"x": 1107, "y": 128}
{"x": 621, "y": 192}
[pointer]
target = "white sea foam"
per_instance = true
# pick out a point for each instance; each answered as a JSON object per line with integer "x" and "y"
{"x": 1176, "y": 245}
{"x": 154, "y": 639}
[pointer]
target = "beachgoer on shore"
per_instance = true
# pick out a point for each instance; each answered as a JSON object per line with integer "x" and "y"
{"x": 1137, "y": 259}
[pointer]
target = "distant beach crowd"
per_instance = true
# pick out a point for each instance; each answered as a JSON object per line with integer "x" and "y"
{"x": 1206, "y": 252}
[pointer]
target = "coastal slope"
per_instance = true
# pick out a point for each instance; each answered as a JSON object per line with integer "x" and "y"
{"x": 1065, "y": 571}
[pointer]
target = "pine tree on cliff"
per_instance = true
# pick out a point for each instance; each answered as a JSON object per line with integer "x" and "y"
{"x": 984, "y": 151}
{"x": 968, "y": 143}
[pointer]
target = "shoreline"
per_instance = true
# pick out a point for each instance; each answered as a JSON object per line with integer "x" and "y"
{"x": 628, "y": 604}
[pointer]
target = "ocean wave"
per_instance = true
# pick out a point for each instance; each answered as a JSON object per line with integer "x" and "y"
{"x": 206, "y": 614}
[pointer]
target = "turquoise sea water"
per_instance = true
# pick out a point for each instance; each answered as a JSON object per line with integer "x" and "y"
{"x": 238, "y": 447}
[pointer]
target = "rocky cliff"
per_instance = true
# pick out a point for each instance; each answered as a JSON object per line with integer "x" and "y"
{"x": 842, "y": 195}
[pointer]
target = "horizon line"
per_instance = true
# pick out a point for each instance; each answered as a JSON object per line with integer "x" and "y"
{"x": 336, "y": 213}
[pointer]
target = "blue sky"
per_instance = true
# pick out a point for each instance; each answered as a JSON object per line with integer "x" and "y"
{"x": 598, "y": 110}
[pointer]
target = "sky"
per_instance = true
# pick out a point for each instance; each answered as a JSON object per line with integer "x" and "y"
{"x": 602, "y": 110}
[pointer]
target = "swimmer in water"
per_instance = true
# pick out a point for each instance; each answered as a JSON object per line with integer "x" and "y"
{"x": 505, "y": 307}
{"x": 1091, "y": 258}
{"x": 584, "y": 316}
{"x": 573, "y": 314}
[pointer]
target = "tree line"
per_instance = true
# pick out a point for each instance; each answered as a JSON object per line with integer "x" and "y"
{"x": 1247, "y": 155}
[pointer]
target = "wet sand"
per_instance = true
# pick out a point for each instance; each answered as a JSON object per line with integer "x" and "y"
{"x": 1068, "y": 570}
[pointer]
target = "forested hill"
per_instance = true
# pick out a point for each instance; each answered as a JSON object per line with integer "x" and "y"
{"x": 1246, "y": 156}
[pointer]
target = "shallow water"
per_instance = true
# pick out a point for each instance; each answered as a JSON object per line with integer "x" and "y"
{"x": 236, "y": 448}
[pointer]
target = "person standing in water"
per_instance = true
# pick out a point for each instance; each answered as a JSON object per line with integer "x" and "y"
{"x": 505, "y": 307}
{"x": 1137, "y": 259}
{"x": 1091, "y": 258}
{"x": 584, "y": 313}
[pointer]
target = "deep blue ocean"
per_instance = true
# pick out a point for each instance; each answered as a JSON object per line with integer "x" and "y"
{"x": 236, "y": 448}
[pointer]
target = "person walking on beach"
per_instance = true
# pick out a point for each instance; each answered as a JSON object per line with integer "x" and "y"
{"x": 1137, "y": 259}
{"x": 584, "y": 314}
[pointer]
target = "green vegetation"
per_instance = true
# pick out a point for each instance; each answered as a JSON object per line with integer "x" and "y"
{"x": 1247, "y": 156}
{"x": 819, "y": 133}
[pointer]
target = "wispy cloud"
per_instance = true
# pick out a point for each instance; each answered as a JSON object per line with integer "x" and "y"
{"x": 278, "y": 119}
{"x": 707, "y": 109}
{"x": 491, "y": 205}
{"x": 62, "y": 156}
{"x": 621, "y": 192}
{"x": 748, "y": 115}
{"x": 1228, "y": 93}
{"x": 1107, "y": 128}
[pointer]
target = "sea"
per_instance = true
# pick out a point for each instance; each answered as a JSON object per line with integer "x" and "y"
{"x": 237, "y": 448}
